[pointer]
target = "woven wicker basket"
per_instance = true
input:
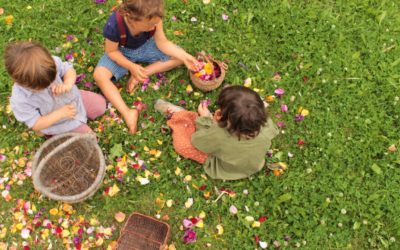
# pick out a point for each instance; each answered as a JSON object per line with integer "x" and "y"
{"x": 69, "y": 167}
{"x": 142, "y": 232}
{"x": 212, "y": 84}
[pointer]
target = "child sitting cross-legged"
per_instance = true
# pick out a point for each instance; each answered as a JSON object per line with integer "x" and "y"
{"x": 134, "y": 34}
{"x": 44, "y": 95}
{"x": 232, "y": 143}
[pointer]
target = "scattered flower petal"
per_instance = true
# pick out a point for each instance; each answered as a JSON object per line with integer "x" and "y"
{"x": 220, "y": 229}
{"x": 279, "y": 92}
{"x": 263, "y": 244}
{"x": 120, "y": 217}
{"x": 233, "y": 209}
{"x": 190, "y": 236}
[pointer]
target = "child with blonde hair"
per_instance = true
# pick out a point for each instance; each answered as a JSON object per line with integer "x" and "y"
{"x": 134, "y": 34}
{"x": 232, "y": 143}
{"x": 44, "y": 95}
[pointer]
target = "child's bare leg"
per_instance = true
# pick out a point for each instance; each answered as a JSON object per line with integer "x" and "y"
{"x": 153, "y": 68}
{"x": 160, "y": 66}
{"x": 102, "y": 76}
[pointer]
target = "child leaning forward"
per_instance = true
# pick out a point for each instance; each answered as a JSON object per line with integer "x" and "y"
{"x": 233, "y": 143}
{"x": 44, "y": 95}
{"x": 134, "y": 34}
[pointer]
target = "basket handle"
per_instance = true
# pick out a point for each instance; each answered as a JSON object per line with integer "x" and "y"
{"x": 224, "y": 65}
{"x": 202, "y": 55}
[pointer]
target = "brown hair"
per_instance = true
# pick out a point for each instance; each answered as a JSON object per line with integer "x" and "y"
{"x": 242, "y": 111}
{"x": 30, "y": 65}
{"x": 142, "y": 9}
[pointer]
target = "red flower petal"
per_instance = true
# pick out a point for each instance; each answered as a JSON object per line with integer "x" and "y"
{"x": 194, "y": 220}
{"x": 262, "y": 218}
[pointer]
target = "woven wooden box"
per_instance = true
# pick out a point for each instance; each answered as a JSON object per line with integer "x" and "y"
{"x": 142, "y": 232}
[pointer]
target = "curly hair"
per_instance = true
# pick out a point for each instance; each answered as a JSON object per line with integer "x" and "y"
{"x": 30, "y": 65}
{"x": 142, "y": 9}
{"x": 242, "y": 111}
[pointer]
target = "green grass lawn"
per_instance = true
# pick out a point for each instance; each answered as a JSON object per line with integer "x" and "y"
{"x": 340, "y": 60}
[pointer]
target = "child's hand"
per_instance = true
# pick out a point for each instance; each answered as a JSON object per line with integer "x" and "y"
{"x": 203, "y": 110}
{"x": 67, "y": 111}
{"x": 138, "y": 72}
{"x": 59, "y": 89}
{"x": 191, "y": 63}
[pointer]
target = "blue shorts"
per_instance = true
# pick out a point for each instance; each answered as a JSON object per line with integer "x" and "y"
{"x": 147, "y": 53}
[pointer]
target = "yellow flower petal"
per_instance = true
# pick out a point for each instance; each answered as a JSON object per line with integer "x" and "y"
{"x": 19, "y": 226}
{"x": 170, "y": 203}
{"x": 208, "y": 68}
{"x": 113, "y": 190}
{"x": 189, "y": 89}
{"x": 54, "y": 211}
{"x": 178, "y": 171}
{"x": 172, "y": 247}
{"x": 67, "y": 208}
{"x": 189, "y": 203}
{"x": 9, "y": 19}
{"x": 3, "y": 233}
{"x": 305, "y": 112}
{"x": 249, "y": 218}
{"x": 247, "y": 82}
{"x": 94, "y": 222}
{"x": 200, "y": 224}
{"x": 202, "y": 215}
{"x": 108, "y": 231}
{"x": 270, "y": 98}
{"x": 99, "y": 242}
{"x": 65, "y": 233}
{"x": 220, "y": 229}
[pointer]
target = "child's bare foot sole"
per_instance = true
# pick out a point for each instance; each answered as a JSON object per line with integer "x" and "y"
{"x": 131, "y": 120}
{"x": 131, "y": 84}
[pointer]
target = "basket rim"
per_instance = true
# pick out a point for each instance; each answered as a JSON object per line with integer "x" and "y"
{"x": 125, "y": 230}
{"x": 209, "y": 85}
{"x": 78, "y": 197}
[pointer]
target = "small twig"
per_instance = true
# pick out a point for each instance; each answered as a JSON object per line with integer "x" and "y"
{"x": 352, "y": 78}
{"x": 220, "y": 196}
{"x": 389, "y": 48}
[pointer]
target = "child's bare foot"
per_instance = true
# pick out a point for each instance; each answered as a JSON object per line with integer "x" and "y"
{"x": 131, "y": 84}
{"x": 131, "y": 120}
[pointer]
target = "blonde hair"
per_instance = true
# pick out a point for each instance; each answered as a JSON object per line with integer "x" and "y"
{"x": 30, "y": 65}
{"x": 142, "y": 9}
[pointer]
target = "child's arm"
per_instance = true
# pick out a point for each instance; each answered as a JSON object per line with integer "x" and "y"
{"x": 169, "y": 48}
{"x": 67, "y": 111}
{"x": 69, "y": 81}
{"x": 137, "y": 71}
